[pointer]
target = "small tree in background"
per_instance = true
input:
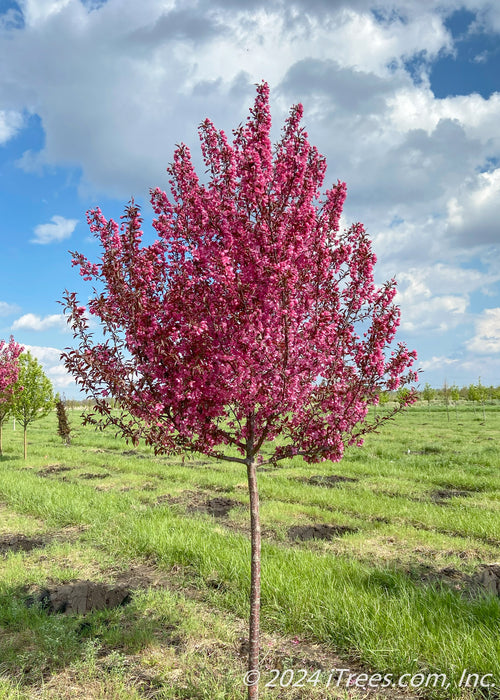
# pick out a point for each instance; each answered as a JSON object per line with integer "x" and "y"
{"x": 63, "y": 427}
{"x": 455, "y": 397}
{"x": 36, "y": 399}
{"x": 482, "y": 394}
{"x": 251, "y": 317}
{"x": 404, "y": 396}
{"x": 473, "y": 395}
{"x": 383, "y": 399}
{"x": 446, "y": 396}
{"x": 9, "y": 371}
{"x": 428, "y": 394}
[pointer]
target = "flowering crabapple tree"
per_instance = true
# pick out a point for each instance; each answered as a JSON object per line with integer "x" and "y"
{"x": 9, "y": 371}
{"x": 251, "y": 317}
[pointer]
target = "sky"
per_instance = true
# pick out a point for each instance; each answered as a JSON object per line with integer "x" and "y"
{"x": 401, "y": 97}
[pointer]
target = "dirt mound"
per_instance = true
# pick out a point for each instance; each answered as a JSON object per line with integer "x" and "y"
{"x": 166, "y": 498}
{"x": 80, "y": 597}
{"x": 485, "y": 580}
{"x": 489, "y": 578}
{"x": 329, "y": 480}
{"x": 218, "y": 506}
{"x": 53, "y": 469}
{"x": 318, "y": 532}
{"x": 90, "y": 475}
{"x": 16, "y": 542}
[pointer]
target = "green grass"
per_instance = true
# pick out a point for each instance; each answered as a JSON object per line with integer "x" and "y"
{"x": 396, "y": 595}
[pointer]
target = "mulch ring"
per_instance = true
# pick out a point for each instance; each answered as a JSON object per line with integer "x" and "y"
{"x": 328, "y": 481}
{"x": 16, "y": 542}
{"x": 303, "y": 533}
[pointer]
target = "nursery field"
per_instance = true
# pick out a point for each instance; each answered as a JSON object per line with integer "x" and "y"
{"x": 386, "y": 565}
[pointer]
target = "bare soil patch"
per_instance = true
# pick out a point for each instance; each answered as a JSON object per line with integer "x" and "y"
{"x": 218, "y": 507}
{"x": 427, "y": 574}
{"x": 431, "y": 450}
{"x": 17, "y": 542}
{"x": 318, "y": 532}
{"x": 80, "y": 597}
{"x": 488, "y": 577}
{"x": 53, "y": 469}
{"x": 445, "y": 494}
{"x": 134, "y": 453}
{"x": 142, "y": 576}
{"x": 485, "y": 580}
{"x": 91, "y": 475}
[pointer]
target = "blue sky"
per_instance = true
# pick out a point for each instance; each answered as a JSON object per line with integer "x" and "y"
{"x": 402, "y": 98}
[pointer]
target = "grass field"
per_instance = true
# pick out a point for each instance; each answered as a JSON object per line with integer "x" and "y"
{"x": 394, "y": 589}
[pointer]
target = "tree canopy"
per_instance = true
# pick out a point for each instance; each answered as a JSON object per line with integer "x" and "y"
{"x": 252, "y": 314}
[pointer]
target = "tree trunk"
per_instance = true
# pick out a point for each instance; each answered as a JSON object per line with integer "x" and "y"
{"x": 254, "y": 627}
{"x": 25, "y": 444}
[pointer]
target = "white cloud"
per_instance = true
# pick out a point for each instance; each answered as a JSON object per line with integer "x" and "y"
{"x": 60, "y": 377}
{"x": 45, "y": 355}
{"x": 58, "y": 230}
{"x": 137, "y": 78}
{"x": 441, "y": 278}
{"x": 481, "y": 57}
{"x": 370, "y": 45}
{"x": 33, "y": 322}
{"x": 424, "y": 310}
{"x": 8, "y": 309}
{"x": 474, "y": 216}
{"x": 37, "y": 12}
{"x": 10, "y": 123}
{"x": 486, "y": 340}
{"x": 415, "y": 107}
{"x": 437, "y": 363}
{"x": 50, "y": 359}
{"x": 11, "y": 19}
{"x": 32, "y": 162}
